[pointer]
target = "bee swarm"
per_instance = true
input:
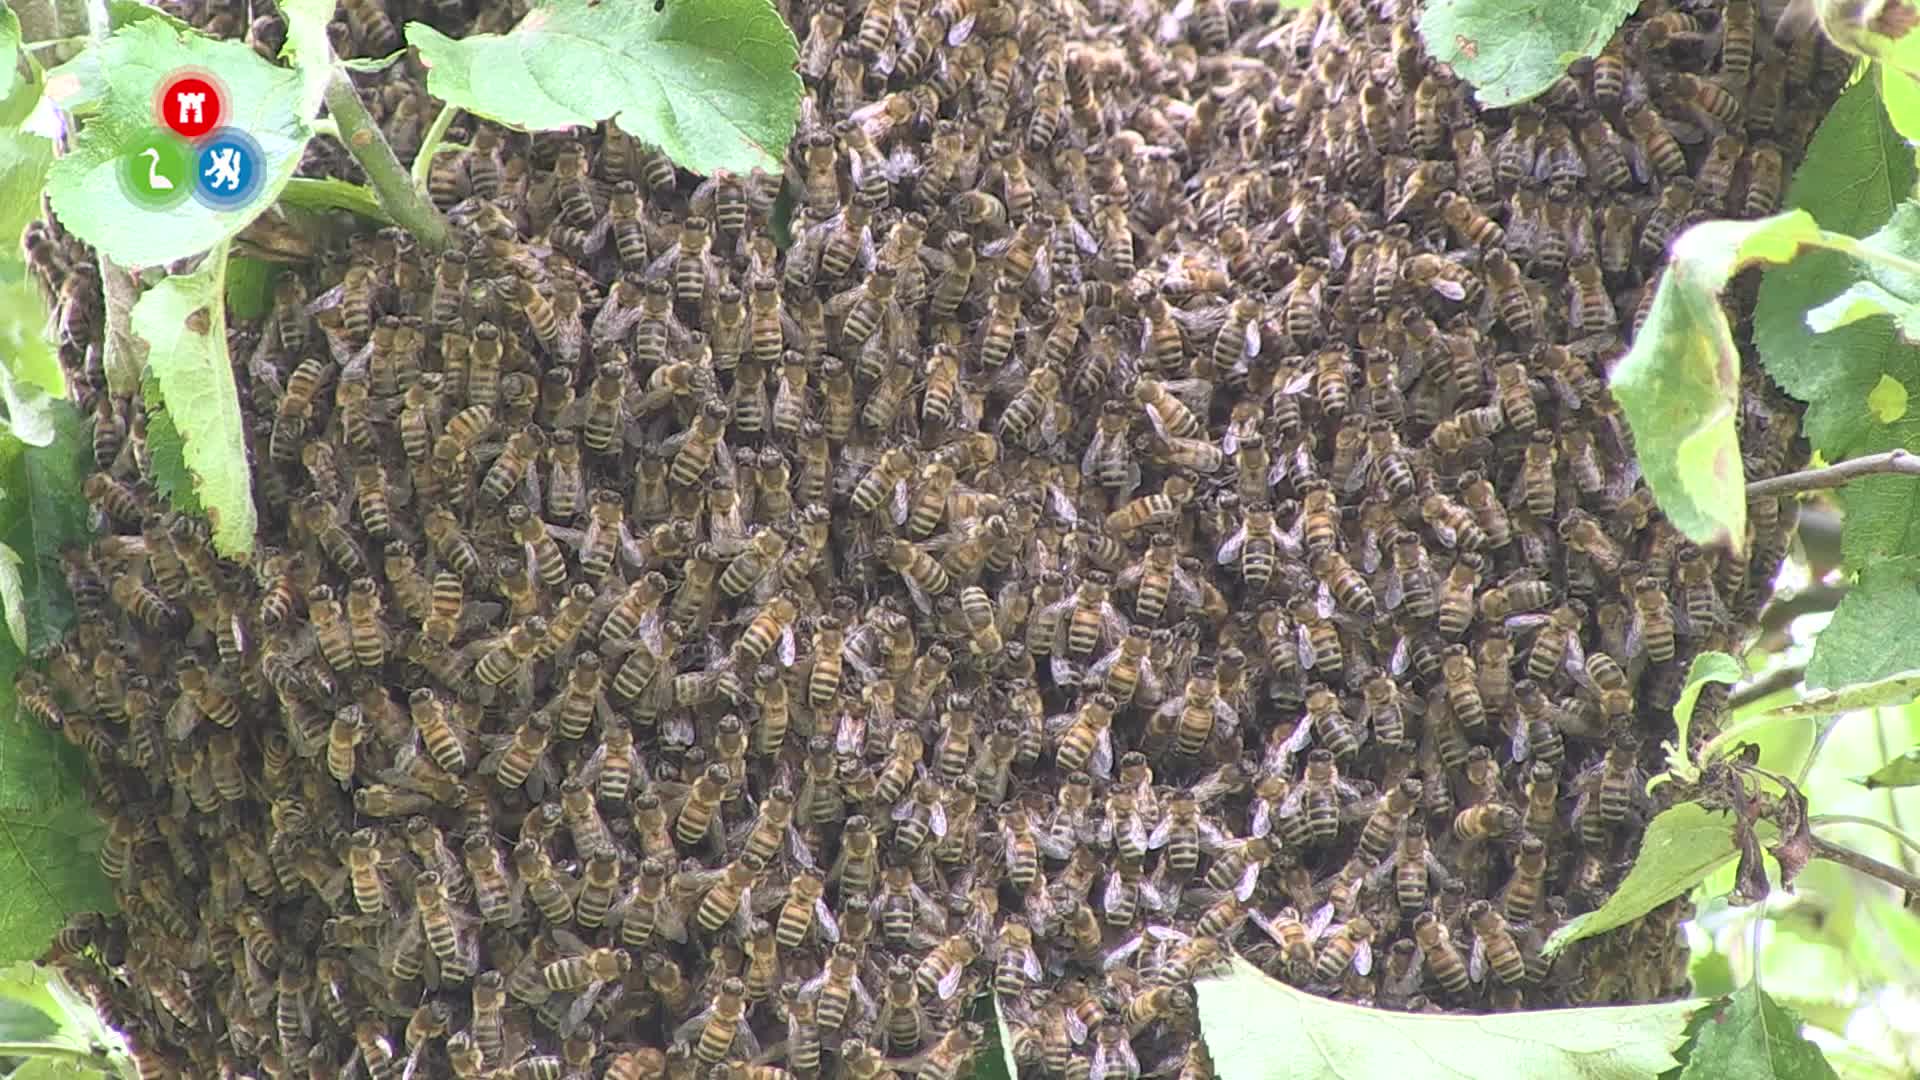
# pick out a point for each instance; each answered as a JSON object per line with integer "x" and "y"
{"x": 1163, "y": 503}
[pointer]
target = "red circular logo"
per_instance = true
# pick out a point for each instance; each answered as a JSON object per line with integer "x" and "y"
{"x": 190, "y": 105}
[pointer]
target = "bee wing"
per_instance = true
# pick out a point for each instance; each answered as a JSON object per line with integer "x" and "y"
{"x": 1230, "y": 549}
{"x": 182, "y": 718}
{"x": 949, "y": 983}
{"x": 686, "y": 1031}
{"x": 1576, "y": 658}
{"x": 901, "y": 503}
{"x": 1248, "y": 879}
{"x": 1304, "y": 645}
{"x": 1100, "y": 763}
{"x": 1363, "y": 958}
{"x": 1477, "y": 960}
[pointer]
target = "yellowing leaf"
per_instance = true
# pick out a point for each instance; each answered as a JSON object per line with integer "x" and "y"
{"x": 1887, "y": 401}
{"x": 1680, "y": 383}
{"x": 1260, "y": 1029}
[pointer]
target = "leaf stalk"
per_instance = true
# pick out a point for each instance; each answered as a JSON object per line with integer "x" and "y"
{"x": 362, "y": 138}
{"x": 430, "y": 146}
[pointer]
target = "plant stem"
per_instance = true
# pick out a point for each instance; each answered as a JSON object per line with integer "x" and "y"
{"x": 430, "y": 147}
{"x": 54, "y": 43}
{"x": 57, "y": 1052}
{"x": 1784, "y": 677}
{"x": 1871, "y": 823}
{"x": 1896, "y": 462}
{"x": 1847, "y": 245}
{"x": 362, "y": 138}
{"x": 1866, "y": 864}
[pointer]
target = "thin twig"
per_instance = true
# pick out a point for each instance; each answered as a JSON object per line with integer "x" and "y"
{"x": 1906, "y": 841}
{"x": 1866, "y": 864}
{"x": 362, "y": 138}
{"x": 1785, "y": 677}
{"x": 1893, "y": 462}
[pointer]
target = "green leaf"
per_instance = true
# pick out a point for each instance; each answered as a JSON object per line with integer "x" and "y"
{"x": 711, "y": 82}
{"x": 13, "y": 595}
{"x": 24, "y": 348}
{"x": 1680, "y": 383}
{"x": 1511, "y": 51}
{"x": 1257, "y": 1028}
{"x": 54, "y": 517}
{"x": 1683, "y": 845}
{"x": 1875, "y": 632}
{"x": 50, "y": 1068}
{"x": 1901, "y": 96}
{"x": 1903, "y": 771}
{"x": 249, "y": 287}
{"x": 332, "y": 193}
{"x": 1865, "y": 300}
{"x": 32, "y": 985}
{"x": 1897, "y": 689}
{"x": 1715, "y": 667}
{"x": 308, "y": 50}
{"x": 986, "y": 1071}
{"x": 49, "y": 839}
{"x": 1753, "y": 1037}
{"x": 167, "y": 451}
{"x": 24, "y": 160}
{"x": 19, "y": 75}
{"x": 184, "y": 321}
{"x": 369, "y": 65}
{"x": 1857, "y": 170}
{"x": 114, "y": 96}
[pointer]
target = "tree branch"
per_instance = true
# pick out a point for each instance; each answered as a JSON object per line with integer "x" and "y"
{"x": 362, "y": 138}
{"x": 1893, "y": 462}
{"x": 1866, "y": 864}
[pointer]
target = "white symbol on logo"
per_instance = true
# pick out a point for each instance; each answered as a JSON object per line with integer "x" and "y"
{"x": 225, "y": 169}
{"x": 154, "y": 179}
{"x": 190, "y": 103}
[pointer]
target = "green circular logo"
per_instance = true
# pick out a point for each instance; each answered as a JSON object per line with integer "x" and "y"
{"x": 156, "y": 169}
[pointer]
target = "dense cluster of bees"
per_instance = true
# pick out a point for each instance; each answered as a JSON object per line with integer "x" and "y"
{"x": 1162, "y": 503}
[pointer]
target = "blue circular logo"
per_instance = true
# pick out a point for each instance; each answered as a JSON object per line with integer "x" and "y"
{"x": 227, "y": 170}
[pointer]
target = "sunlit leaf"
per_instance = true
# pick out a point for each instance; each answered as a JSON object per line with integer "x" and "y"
{"x": 1901, "y": 95}
{"x": 1887, "y": 401}
{"x": 24, "y": 348}
{"x": 113, "y": 93}
{"x": 24, "y": 160}
{"x": 1679, "y": 385}
{"x": 1707, "y": 667}
{"x": 1752, "y": 1037}
{"x": 308, "y": 49}
{"x": 184, "y": 320}
{"x": 1683, "y": 845}
{"x": 711, "y": 82}
{"x": 1513, "y": 51}
{"x": 19, "y": 82}
{"x": 1257, "y": 1028}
